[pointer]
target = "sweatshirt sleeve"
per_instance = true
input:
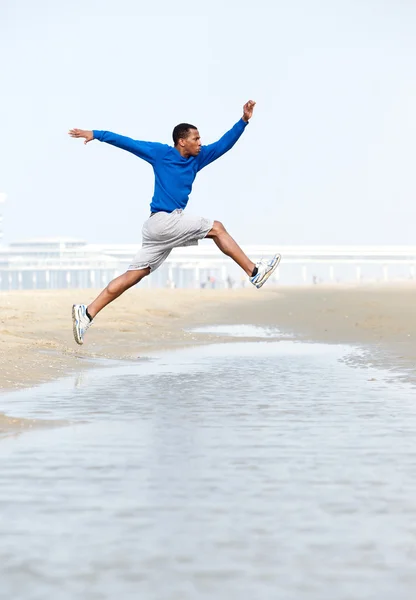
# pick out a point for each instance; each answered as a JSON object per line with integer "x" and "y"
{"x": 210, "y": 153}
{"x": 146, "y": 150}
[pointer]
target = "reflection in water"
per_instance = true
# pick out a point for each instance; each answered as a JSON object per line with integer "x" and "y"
{"x": 257, "y": 470}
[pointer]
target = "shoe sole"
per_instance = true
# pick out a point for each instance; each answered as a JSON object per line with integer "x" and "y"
{"x": 266, "y": 277}
{"x": 75, "y": 327}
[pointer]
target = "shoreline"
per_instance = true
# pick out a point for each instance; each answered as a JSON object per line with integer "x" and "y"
{"x": 36, "y": 343}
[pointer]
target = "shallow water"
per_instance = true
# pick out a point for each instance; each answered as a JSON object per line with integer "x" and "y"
{"x": 239, "y": 331}
{"x": 248, "y": 470}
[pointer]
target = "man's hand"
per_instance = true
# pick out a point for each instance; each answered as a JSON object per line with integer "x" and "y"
{"x": 82, "y": 133}
{"x": 248, "y": 110}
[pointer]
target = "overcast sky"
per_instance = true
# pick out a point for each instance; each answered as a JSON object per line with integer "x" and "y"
{"x": 328, "y": 158}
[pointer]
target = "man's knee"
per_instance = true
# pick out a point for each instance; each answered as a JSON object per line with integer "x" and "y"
{"x": 126, "y": 281}
{"x": 134, "y": 276}
{"x": 217, "y": 229}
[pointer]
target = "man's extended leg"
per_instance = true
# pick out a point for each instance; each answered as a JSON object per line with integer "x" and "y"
{"x": 229, "y": 246}
{"x": 82, "y": 315}
{"x": 259, "y": 272}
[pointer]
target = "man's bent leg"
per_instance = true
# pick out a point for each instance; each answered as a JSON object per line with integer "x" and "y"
{"x": 229, "y": 246}
{"x": 115, "y": 288}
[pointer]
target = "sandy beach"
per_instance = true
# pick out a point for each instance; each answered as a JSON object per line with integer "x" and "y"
{"x": 36, "y": 342}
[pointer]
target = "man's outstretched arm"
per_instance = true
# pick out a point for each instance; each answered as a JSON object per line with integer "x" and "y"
{"x": 145, "y": 150}
{"x": 210, "y": 153}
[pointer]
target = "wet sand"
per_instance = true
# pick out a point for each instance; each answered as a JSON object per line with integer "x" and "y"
{"x": 36, "y": 342}
{"x": 13, "y": 425}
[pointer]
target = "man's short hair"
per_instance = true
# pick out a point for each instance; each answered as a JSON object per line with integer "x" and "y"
{"x": 181, "y": 131}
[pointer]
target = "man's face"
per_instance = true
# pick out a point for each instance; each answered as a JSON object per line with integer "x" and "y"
{"x": 192, "y": 144}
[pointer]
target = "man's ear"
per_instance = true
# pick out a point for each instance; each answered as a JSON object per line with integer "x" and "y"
{"x": 181, "y": 142}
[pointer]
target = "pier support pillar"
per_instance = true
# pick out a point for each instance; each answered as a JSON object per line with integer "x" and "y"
{"x": 304, "y": 274}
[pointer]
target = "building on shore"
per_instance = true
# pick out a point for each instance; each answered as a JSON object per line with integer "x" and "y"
{"x": 71, "y": 263}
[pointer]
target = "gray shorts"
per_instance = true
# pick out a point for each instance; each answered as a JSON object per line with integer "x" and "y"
{"x": 164, "y": 231}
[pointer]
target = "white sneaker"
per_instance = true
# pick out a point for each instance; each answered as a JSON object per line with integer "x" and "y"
{"x": 265, "y": 268}
{"x": 80, "y": 322}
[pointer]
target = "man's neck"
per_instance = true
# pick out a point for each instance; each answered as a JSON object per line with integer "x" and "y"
{"x": 182, "y": 152}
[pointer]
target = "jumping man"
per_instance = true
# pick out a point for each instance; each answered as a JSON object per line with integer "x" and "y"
{"x": 168, "y": 226}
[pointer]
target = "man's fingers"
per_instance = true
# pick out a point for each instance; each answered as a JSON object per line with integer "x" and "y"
{"x": 78, "y": 133}
{"x": 248, "y": 106}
